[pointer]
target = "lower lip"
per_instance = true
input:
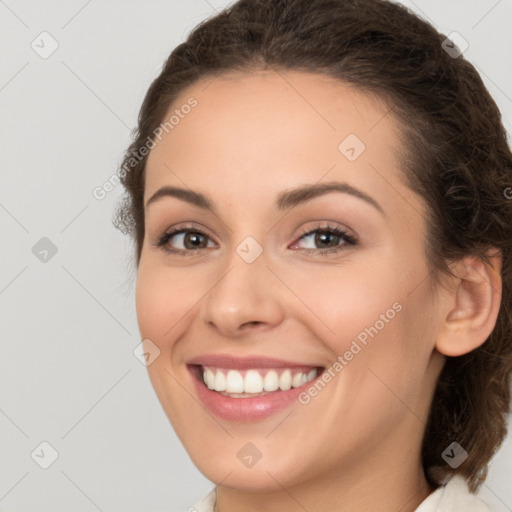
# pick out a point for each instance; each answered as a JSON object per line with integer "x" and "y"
{"x": 246, "y": 409}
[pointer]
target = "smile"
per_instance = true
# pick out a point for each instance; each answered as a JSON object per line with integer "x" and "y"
{"x": 250, "y": 394}
{"x": 256, "y": 381}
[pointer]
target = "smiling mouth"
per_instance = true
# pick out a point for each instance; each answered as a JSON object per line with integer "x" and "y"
{"x": 254, "y": 382}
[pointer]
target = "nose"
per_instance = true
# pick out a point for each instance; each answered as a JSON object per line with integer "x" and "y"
{"x": 243, "y": 297}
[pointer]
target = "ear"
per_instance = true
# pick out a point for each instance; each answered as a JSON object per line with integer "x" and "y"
{"x": 473, "y": 304}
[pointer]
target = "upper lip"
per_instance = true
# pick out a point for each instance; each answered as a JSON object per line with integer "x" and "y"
{"x": 242, "y": 363}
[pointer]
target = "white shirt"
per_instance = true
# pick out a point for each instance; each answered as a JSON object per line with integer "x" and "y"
{"x": 454, "y": 496}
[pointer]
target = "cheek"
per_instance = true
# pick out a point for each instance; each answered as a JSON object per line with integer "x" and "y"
{"x": 375, "y": 314}
{"x": 161, "y": 313}
{"x": 351, "y": 304}
{"x": 159, "y": 303}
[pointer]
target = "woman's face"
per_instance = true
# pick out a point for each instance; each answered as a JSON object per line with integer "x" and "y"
{"x": 270, "y": 279}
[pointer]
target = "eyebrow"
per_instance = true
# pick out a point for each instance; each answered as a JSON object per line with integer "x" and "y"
{"x": 286, "y": 199}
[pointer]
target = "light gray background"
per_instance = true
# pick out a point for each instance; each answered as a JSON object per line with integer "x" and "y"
{"x": 68, "y": 373}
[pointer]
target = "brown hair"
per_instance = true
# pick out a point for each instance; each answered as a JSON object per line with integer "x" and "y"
{"x": 455, "y": 156}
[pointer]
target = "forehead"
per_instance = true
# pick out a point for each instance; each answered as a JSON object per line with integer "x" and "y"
{"x": 260, "y": 132}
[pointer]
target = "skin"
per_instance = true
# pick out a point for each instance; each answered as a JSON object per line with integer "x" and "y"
{"x": 356, "y": 443}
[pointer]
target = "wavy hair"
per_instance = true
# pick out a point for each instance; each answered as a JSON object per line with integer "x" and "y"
{"x": 455, "y": 156}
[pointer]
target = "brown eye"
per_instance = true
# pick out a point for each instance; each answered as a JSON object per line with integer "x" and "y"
{"x": 328, "y": 239}
{"x": 189, "y": 239}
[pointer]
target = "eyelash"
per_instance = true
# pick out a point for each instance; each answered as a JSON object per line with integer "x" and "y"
{"x": 348, "y": 239}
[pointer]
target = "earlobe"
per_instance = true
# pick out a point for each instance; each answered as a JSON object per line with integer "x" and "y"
{"x": 475, "y": 303}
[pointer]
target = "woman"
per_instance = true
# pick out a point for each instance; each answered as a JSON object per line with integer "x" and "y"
{"x": 317, "y": 192}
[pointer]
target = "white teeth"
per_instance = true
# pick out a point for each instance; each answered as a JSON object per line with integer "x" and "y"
{"x": 234, "y": 382}
{"x": 254, "y": 381}
{"x": 297, "y": 380}
{"x": 285, "y": 381}
{"x": 311, "y": 375}
{"x": 271, "y": 381}
{"x": 220, "y": 381}
{"x": 209, "y": 378}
